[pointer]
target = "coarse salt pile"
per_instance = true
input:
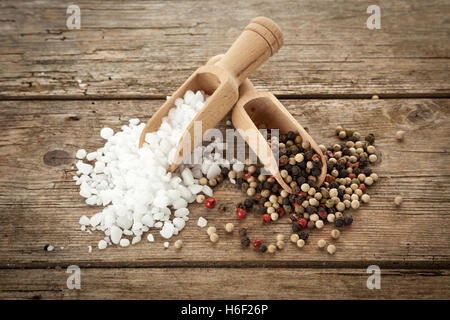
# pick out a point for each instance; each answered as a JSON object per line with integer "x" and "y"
{"x": 133, "y": 184}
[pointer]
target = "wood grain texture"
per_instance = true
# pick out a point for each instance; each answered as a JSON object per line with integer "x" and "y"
{"x": 149, "y": 48}
{"x": 40, "y": 204}
{"x": 228, "y": 283}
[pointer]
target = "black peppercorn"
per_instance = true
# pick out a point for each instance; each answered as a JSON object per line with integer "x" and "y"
{"x": 243, "y": 232}
{"x": 295, "y": 227}
{"x": 348, "y": 220}
{"x": 296, "y": 190}
{"x": 303, "y": 235}
{"x": 262, "y": 248}
{"x": 224, "y": 171}
{"x": 334, "y": 185}
{"x": 367, "y": 171}
{"x": 341, "y": 193}
{"x": 245, "y": 242}
{"x": 295, "y": 170}
{"x": 286, "y": 201}
{"x": 248, "y": 203}
{"x": 343, "y": 173}
{"x": 267, "y": 185}
{"x": 370, "y": 138}
{"x": 308, "y": 155}
{"x": 262, "y": 210}
{"x": 315, "y": 172}
{"x": 311, "y": 209}
{"x": 339, "y": 223}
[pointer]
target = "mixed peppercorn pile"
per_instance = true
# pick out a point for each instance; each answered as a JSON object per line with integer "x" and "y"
{"x": 309, "y": 206}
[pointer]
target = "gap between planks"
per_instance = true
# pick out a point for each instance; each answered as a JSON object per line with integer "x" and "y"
{"x": 279, "y": 96}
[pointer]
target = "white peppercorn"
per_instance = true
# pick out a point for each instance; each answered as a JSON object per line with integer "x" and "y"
{"x": 321, "y": 243}
{"x": 331, "y": 249}
{"x": 340, "y": 206}
{"x": 355, "y": 204}
{"x": 398, "y": 200}
{"x": 370, "y": 149}
{"x": 300, "y": 243}
{"x": 365, "y": 198}
{"x": 211, "y": 230}
{"x": 373, "y": 158}
{"x": 271, "y": 248}
{"x": 274, "y": 216}
{"x": 178, "y": 244}
{"x": 335, "y": 233}
{"x": 299, "y": 157}
{"x": 200, "y": 198}
{"x": 368, "y": 181}
{"x": 294, "y": 238}
{"x": 229, "y": 227}
{"x": 319, "y": 224}
{"x": 280, "y": 245}
{"x": 305, "y": 187}
{"x": 280, "y": 237}
{"x": 400, "y": 135}
{"x": 214, "y": 237}
{"x": 331, "y": 217}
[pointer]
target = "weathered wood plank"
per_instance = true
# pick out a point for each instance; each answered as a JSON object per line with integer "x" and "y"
{"x": 224, "y": 283}
{"x": 39, "y": 204}
{"x": 148, "y": 48}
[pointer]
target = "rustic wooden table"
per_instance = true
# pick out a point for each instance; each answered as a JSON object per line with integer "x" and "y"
{"x": 59, "y": 87}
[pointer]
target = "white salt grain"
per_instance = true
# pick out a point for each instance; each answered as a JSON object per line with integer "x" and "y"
{"x": 80, "y": 154}
{"x": 90, "y": 249}
{"x": 84, "y": 220}
{"x": 166, "y": 244}
{"x": 150, "y": 238}
{"x": 238, "y": 167}
{"x": 91, "y": 156}
{"x": 208, "y": 191}
{"x": 102, "y": 244}
{"x": 202, "y": 222}
{"x": 213, "y": 171}
{"x": 116, "y": 234}
{"x": 106, "y": 133}
{"x": 50, "y": 248}
{"x": 124, "y": 242}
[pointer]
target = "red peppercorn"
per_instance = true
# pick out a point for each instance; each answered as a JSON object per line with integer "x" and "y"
{"x": 210, "y": 203}
{"x": 248, "y": 175}
{"x": 329, "y": 154}
{"x": 362, "y": 186}
{"x": 302, "y": 194}
{"x": 329, "y": 178}
{"x": 323, "y": 214}
{"x": 241, "y": 213}
{"x": 302, "y": 222}
{"x": 266, "y": 217}
{"x": 280, "y": 211}
{"x": 296, "y": 204}
{"x": 352, "y": 176}
{"x": 257, "y": 243}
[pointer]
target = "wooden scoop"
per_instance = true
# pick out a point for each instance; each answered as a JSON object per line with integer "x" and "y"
{"x": 259, "y": 41}
{"x": 257, "y": 108}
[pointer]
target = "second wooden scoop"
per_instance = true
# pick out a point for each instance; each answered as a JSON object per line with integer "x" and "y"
{"x": 259, "y": 41}
{"x": 257, "y": 108}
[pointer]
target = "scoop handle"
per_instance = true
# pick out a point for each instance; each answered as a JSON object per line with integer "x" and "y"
{"x": 258, "y": 42}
